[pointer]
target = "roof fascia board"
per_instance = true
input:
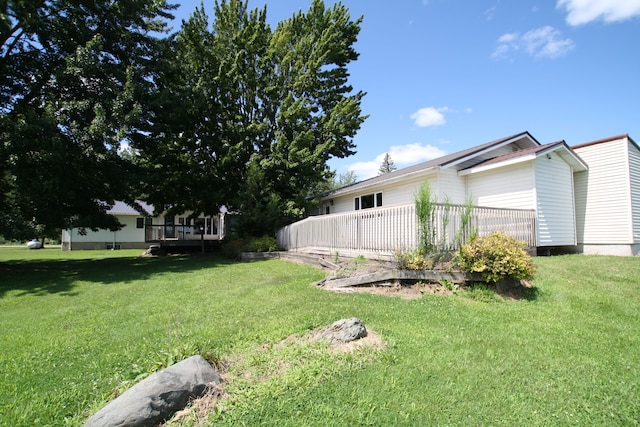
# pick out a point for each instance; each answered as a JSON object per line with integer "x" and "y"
{"x": 610, "y": 139}
{"x": 493, "y": 147}
{"x": 485, "y": 168}
{"x": 399, "y": 178}
{"x": 569, "y": 157}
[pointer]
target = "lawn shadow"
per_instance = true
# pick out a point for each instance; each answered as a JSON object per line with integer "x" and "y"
{"x": 40, "y": 277}
{"x": 525, "y": 291}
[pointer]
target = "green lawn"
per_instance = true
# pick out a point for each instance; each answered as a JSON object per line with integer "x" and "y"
{"x": 79, "y": 327}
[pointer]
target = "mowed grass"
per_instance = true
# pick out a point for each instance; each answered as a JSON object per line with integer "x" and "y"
{"x": 80, "y": 327}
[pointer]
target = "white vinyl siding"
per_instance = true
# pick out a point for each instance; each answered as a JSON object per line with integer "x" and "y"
{"x": 451, "y": 187}
{"x": 580, "y": 185}
{"x": 129, "y": 233}
{"x": 404, "y": 192}
{"x": 554, "y": 201}
{"x": 394, "y": 194}
{"x": 603, "y": 204}
{"x": 509, "y": 187}
{"x": 634, "y": 173}
{"x": 341, "y": 204}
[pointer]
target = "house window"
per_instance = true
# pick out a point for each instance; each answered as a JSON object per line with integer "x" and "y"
{"x": 211, "y": 226}
{"x": 368, "y": 201}
{"x": 139, "y": 222}
{"x": 326, "y": 210}
{"x": 199, "y": 225}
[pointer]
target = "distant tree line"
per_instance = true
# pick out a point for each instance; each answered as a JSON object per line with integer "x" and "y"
{"x": 99, "y": 102}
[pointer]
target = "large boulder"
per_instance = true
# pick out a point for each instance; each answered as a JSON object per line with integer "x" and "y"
{"x": 343, "y": 331}
{"x": 158, "y": 396}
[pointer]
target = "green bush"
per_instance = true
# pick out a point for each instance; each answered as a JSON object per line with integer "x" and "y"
{"x": 262, "y": 244}
{"x": 414, "y": 260}
{"x": 496, "y": 257}
{"x": 232, "y": 248}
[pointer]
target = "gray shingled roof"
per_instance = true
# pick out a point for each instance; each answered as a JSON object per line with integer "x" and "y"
{"x": 121, "y": 208}
{"x": 430, "y": 164}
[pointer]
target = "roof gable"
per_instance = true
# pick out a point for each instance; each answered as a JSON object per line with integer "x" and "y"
{"x": 560, "y": 147}
{"x": 460, "y": 159}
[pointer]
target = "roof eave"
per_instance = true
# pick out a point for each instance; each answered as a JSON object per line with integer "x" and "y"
{"x": 358, "y": 189}
{"x": 513, "y": 161}
{"x": 566, "y": 153}
{"x": 499, "y": 144}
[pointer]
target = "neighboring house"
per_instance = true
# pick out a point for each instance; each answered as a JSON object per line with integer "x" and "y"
{"x": 608, "y": 197}
{"x": 141, "y": 230}
{"x": 515, "y": 172}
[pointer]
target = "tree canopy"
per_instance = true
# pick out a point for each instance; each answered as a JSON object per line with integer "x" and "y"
{"x": 247, "y": 116}
{"x": 73, "y": 77}
{"x": 227, "y": 112}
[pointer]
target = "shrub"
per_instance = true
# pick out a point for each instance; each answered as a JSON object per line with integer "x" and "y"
{"x": 413, "y": 260}
{"x": 262, "y": 244}
{"x": 426, "y": 203}
{"x": 232, "y": 248}
{"x": 496, "y": 257}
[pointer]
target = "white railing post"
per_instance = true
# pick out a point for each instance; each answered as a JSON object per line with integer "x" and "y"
{"x": 384, "y": 230}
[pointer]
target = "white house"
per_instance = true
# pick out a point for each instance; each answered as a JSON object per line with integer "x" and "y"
{"x": 608, "y": 197}
{"x": 515, "y": 172}
{"x": 142, "y": 229}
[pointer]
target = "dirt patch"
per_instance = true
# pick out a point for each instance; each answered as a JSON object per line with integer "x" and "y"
{"x": 405, "y": 291}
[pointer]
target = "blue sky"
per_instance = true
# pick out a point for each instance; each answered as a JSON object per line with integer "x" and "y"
{"x": 445, "y": 75}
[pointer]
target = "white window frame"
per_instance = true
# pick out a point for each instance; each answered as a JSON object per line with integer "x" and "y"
{"x": 357, "y": 201}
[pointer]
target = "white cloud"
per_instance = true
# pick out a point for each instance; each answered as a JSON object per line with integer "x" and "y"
{"x": 490, "y": 13}
{"x": 581, "y": 12}
{"x": 365, "y": 170}
{"x": 430, "y": 116}
{"x": 402, "y": 155}
{"x": 543, "y": 42}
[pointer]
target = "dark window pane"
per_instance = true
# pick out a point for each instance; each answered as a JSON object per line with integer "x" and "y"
{"x": 367, "y": 201}
{"x": 379, "y": 199}
{"x": 357, "y": 203}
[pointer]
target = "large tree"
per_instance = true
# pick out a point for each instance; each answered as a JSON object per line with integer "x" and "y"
{"x": 249, "y": 116}
{"x": 74, "y": 76}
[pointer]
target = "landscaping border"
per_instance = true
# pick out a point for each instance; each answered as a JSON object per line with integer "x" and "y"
{"x": 391, "y": 275}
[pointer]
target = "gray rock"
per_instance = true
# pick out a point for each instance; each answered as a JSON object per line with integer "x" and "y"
{"x": 158, "y": 396}
{"x": 343, "y": 331}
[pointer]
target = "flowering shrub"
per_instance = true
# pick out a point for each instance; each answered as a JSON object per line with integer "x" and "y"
{"x": 496, "y": 257}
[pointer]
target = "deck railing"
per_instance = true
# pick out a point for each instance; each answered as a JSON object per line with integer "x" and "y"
{"x": 177, "y": 232}
{"x": 386, "y": 230}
